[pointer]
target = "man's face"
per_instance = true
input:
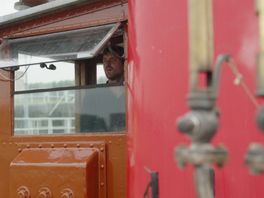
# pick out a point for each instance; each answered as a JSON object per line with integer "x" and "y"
{"x": 113, "y": 66}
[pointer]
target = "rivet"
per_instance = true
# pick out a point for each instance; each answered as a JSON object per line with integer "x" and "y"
{"x": 65, "y": 145}
{"x": 91, "y": 145}
{"x": 45, "y": 192}
{"x": 78, "y": 145}
{"x": 19, "y": 150}
{"x": 101, "y": 149}
{"x": 23, "y": 192}
{"x": 52, "y": 145}
{"x": 40, "y": 146}
{"x": 28, "y": 146}
{"x": 102, "y": 166}
{"x": 67, "y": 193}
{"x": 102, "y": 183}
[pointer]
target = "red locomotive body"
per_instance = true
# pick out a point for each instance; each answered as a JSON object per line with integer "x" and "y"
{"x": 159, "y": 59}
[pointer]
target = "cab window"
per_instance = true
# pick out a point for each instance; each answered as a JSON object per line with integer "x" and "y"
{"x": 60, "y": 86}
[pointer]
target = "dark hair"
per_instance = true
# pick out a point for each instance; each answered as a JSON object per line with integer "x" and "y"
{"x": 115, "y": 50}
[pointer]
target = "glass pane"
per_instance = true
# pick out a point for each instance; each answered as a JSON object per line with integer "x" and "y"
{"x": 35, "y": 77}
{"x": 76, "y": 44}
{"x": 100, "y": 109}
{"x": 101, "y": 77}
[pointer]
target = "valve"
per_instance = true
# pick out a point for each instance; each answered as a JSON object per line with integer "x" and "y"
{"x": 201, "y": 124}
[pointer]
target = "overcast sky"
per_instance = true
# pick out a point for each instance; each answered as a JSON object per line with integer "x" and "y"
{"x": 7, "y": 7}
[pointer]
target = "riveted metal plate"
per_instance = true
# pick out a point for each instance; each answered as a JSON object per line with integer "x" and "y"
{"x": 84, "y": 162}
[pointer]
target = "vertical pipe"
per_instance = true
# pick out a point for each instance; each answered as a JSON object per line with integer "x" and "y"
{"x": 200, "y": 60}
{"x": 260, "y": 62}
{"x": 204, "y": 179}
{"x": 200, "y": 38}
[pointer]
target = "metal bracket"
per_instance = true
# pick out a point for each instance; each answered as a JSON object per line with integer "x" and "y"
{"x": 153, "y": 184}
{"x": 255, "y": 154}
{"x": 255, "y": 158}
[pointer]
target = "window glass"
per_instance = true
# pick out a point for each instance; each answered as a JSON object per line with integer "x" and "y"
{"x": 100, "y": 109}
{"x": 69, "y": 95}
{"x": 100, "y": 75}
{"x": 70, "y": 45}
{"x": 61, "y": 74}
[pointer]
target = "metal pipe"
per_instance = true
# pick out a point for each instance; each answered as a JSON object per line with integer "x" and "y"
{"x": 260, "y": 57}
{"x": 200, "y": 38}
{"x": 204, "y": 179}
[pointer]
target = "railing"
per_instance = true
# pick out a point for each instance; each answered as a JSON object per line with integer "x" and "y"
{"x": 47, "y": 98}
{"x": 44, "y": 125}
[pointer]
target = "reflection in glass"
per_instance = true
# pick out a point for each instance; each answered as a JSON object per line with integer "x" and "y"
{"x": 100, "y": 109}
{"x": 36, "y": 77}
{"x": 101, "y": 77}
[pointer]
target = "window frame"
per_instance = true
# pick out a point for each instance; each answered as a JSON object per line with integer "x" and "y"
{"x": 84, "y": 84}
{"x": 6, "y": 46}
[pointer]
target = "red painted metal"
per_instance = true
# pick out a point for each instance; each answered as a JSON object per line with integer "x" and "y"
{"x": 158, "y": 87}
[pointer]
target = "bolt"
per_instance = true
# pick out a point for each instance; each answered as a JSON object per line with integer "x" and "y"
{"x": 45, "y": 193}
{"x": 23, "y": 192}
{"x": 67, "y": 193}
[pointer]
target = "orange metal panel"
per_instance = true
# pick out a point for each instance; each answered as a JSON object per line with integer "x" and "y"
{"x": 56, "y": 171}
{"x": 115, "y": 155}
{"x": 112, "y": 14}
{"x": 61, "y": 15}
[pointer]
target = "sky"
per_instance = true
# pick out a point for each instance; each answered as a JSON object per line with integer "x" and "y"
{"x": 7, "y": 7}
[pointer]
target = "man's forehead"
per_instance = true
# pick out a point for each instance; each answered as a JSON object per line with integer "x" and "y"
{"x": 109, "y": 55}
